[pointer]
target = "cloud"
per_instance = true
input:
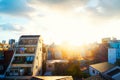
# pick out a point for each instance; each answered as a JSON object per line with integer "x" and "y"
{"x": 59, "y": 5}
{"x": 15, "y": 7}
{"x": 11, "y": 27}
{"x": 103, "y": 8}
{"x": 53, "y": 1}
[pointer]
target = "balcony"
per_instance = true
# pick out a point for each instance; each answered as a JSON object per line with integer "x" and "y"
{"x": 27, "y": 50}
{"x": 28, "y": 42}
{"x": 23, "y": 60}
{"x": 19, "y": 72}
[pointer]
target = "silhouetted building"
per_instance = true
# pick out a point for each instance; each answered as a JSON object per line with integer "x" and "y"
{"x": 5, "y": 58}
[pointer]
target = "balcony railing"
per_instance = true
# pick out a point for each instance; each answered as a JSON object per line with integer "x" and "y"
{"x": 19, "y": 72}
{"x": 23, "y": 50}
{"x": 23, "y": 60}
{"x": 28, "y": 42}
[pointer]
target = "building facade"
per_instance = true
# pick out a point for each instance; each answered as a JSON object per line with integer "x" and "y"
{"x": 114, "y": 51}
{"x": 27, "y": 58}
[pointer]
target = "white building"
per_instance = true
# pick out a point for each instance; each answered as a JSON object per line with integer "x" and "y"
{"x": 106, "y": 70}
{"x": 27, "y": 59}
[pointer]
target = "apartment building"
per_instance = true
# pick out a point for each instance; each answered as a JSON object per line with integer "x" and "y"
{"x": 27, "y": 58}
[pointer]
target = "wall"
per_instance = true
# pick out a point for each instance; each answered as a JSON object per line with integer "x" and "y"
{"x": 112, "y": 55}
{"x": 93, "y": 71}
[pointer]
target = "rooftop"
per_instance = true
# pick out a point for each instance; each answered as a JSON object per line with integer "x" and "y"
{"x": 114, "y": 73}
{"x": 54, "y": 77}
{"x": 30, "y": 36}
{"x": 102, "y": 67}
{"x": 95, "y": 78}
{"x": 57, "y": 61}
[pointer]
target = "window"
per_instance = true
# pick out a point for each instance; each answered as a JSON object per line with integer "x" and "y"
{"x": 118, "y": 54}
{"x": 93, "y": 71}
{"x": 1, "y": 56}
{"x": 1, "y": 67}
{"x": 40, "y": 48}
{"x": 37, "y": 57}
{"x": 36, "y": 67}
{"x": 49, "y": 66}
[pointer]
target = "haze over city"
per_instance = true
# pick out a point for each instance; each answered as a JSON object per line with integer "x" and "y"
{"x": 73, "y": 21}
{"x": 59, "y": 40}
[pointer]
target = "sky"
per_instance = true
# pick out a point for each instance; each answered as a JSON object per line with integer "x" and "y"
{"x": 73, "y": 21}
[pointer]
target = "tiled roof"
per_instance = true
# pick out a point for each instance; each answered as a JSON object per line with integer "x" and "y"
{"x": 102, "y": 67}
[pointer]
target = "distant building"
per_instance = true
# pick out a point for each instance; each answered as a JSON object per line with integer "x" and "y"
{"x": 4, "y": 47}
{"x": 106, "y": 40}
{"x": 4, "y": 41}
{"x": 114, "y": 51}
{"x": 56, "y": 65}
{"x": 51, "y": 64}
{"x": 27, "y": 59}
{"x": 106, "y": 70}
{"x": 54, "y": 52}
{"x": 12, "y": 43}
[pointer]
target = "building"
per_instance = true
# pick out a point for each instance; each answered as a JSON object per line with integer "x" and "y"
{"x": 54, "y": 52}
{"x": 114, "y": 51}
{"x": 55, "y": 66}
{"x": 27, "y": 59}
{"x": 52, "y": 78}
{"x": 4, "y": 47}
{"x": 105, "y": 70}
{"x": 51, "y": 64}
{"x": 12, "y": 43}
{"x": 5, "y": 58}
{"x": 4, "y": 41}
{"x": 106, "y": 40}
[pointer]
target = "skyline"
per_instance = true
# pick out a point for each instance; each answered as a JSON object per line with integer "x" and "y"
{"x": 77, "y": 22}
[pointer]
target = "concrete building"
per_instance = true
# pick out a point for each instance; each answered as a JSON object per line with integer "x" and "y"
{"x": 114, "y": 51}
{"x": 27, "y": 58}
{"x": 55, "y": 66}
{"x": 52, "y": 64}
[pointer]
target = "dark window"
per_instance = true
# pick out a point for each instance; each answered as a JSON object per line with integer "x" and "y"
{"x": 36, "y": 67}
{"x": 49, "y": 66}
{"x": 93, "y": 71}
{"x": 1, "y": 67}
{"x": 1, "y": 56}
